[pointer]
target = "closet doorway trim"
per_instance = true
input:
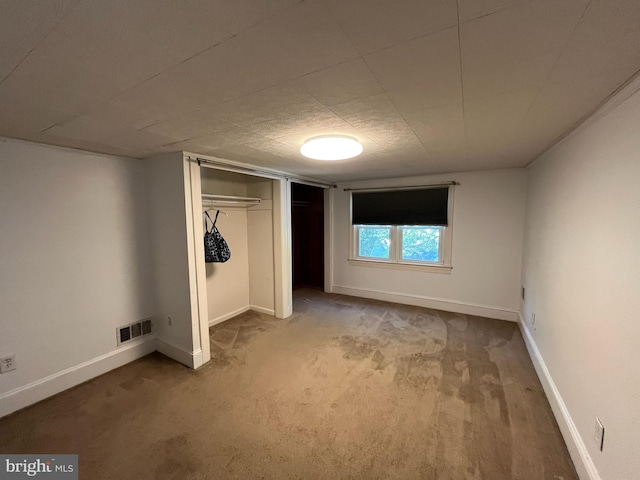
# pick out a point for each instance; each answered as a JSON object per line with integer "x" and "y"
{"x": 220, "y": 164}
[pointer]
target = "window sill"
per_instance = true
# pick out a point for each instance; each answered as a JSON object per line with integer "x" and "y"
{"x": 444, "y": 269}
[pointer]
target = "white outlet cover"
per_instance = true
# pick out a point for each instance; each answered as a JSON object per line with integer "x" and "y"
{"x": 3, "y": 363}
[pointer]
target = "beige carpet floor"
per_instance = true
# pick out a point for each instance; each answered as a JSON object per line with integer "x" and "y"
{"x": 345, "y": 388}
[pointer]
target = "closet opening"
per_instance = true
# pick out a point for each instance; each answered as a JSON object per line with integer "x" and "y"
{"x": 307, "y": 231}
{"x": 243, "y": 205}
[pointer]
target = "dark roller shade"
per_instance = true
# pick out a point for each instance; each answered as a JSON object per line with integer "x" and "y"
{"x": 401, "y": 207}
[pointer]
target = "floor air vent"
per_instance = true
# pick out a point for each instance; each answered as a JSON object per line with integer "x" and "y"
{"x": 133, "y": 331}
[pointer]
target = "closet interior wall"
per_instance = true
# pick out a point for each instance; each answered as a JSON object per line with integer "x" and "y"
{"x": 246, "y": 280}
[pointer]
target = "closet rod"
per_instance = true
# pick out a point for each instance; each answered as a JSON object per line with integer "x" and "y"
{"x": 230, "y": 199}
{"x": 273, "y": 174}
{"x": 406, "y": 187}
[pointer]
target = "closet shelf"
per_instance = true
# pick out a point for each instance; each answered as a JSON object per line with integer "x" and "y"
{"x": 230, "y": 200}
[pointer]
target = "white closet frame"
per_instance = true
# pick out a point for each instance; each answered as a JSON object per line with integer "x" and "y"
{"x": 283, "y": 275}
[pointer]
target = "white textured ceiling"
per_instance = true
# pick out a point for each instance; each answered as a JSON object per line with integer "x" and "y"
{"x": 427, "y": 86}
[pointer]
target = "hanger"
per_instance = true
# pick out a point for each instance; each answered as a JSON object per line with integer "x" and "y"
{"x": 215, "y": 209}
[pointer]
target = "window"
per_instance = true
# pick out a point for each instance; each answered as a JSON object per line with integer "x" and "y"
{"x": 403, "y": 228}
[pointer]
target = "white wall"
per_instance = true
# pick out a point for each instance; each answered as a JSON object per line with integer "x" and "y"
{"x": 74, "y": 265}
{"x": 261, "y": 267}
{"x": 228, "y": 283}
{"x": 582, "y": 275}
{"x": 486, "y": 253}
{"x": 169, "y": 222}
{"x": 261, "y": 242}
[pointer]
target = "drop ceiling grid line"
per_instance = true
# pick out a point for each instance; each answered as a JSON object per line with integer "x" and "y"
{"x": 494, "y": 12}
{"x": 407, "y": 40}
{"x": 64, "y": 17}
{"x": 544, "y": 83}
{"x": 464, "y": 121}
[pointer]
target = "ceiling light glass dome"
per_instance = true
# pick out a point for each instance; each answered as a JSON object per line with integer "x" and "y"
{"x": 331, "y": 147}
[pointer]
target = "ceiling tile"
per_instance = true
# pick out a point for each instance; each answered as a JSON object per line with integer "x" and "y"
{"x": 239, "y": 15}
{"x": 229, "y": 70}
{"x": 524, "y": 74}
{"x": 375, "y": 24}
{"x": 432, "y": 61}
{"x": 133, "y": 40}
{"x": 441, "y": 131}
{"x": 41, "y": 87}
{"x": 604, "y": 43}
{"x": 341, "y": 83}
{"x": 415, "y": 99}
{"x": 23, "y": 125}
{"x": 378, "y": 119}
{"x": 85, "y": 128}
{"x": 526, "y": 30}
{"x": 23, "y": 25}
{"x": 301, "y": 39}
{"x": 134, "y": 119}
{"x": 556, "y": 110}
{"x": 274, "y": 103}
{"x": 191, "y": 125}
{"x": 311, "y": 123}
{"x": 224, "y": 137}
{"x": 138, "y": 140}
{"x": 470, "y": 9}
{"x": 490, "y": 123}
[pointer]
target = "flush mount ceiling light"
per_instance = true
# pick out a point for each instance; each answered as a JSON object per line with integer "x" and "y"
{"x": 331, "y": 147}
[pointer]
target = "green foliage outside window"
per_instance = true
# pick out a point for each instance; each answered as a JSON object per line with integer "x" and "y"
{"x": 419, "y": 243}
{"x": 374, "y": 242}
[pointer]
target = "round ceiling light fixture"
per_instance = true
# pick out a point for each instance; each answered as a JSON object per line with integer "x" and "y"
{"x": 331, "y": 147}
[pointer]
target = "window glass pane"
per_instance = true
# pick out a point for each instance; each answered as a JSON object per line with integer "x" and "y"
{"x": 374, "y": 242}
{"x": 421, "y": 243}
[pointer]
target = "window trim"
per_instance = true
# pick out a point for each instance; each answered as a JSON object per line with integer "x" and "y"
{"x": 444, "y": 265}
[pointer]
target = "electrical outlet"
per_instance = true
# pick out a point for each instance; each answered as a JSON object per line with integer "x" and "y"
{"x": 8, "y": 363}
{"x": 169, "y": 321}
{"x": 598, "y": 434}
{"x": 532, "y": 319}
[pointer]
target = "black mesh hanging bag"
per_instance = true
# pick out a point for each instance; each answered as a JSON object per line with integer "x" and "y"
{"x": 216, "y": 249}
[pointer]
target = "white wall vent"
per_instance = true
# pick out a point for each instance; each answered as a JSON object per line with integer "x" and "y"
{"x": 130, "y": 332}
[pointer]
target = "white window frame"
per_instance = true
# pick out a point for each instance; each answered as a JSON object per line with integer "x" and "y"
{"x": 443, "y": 265}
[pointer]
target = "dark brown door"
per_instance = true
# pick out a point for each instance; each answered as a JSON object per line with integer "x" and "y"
{"x": 307, "y": 204}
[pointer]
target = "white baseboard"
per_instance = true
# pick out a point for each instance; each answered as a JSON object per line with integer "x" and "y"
{"x": 33, "y": 392}
{"x": 576, "y": 446}
{"x": 227, "y": 316}
{"x": 428, "y": 302}
{"x": 267, "y": 311}
{"x": 197, "y": 359}
{"x": 190, "y": 359}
